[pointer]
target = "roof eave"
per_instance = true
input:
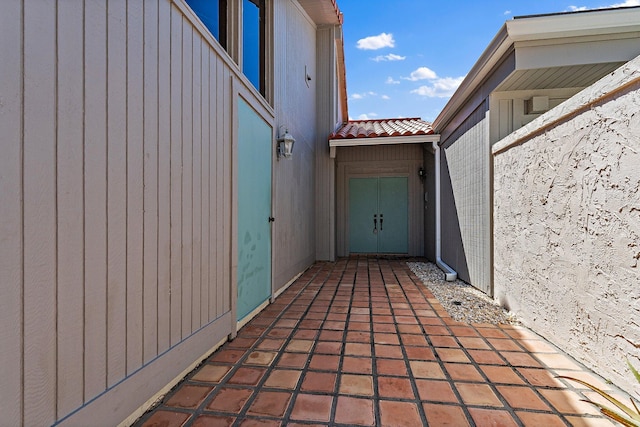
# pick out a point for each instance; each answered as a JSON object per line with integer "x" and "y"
{"x": 383, "y": 140}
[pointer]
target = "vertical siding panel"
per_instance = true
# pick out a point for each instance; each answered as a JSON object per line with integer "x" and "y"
{"x": 150, "y": 263}
{"x": 135, "y": 177}
{"x": 197, "y": 181}
{"x": 70, "y": 203}
{"x": 95, "y": 199}
{"x": 226, "y": 188}
{"x": 11, "y": 214}
{"x": 164, "y": 176}
{"x": 176, "y": 176}
{"x": 39, "y": 180}
{"x": 187, "y": 177}
{"x": 116, "y": 191}
{"x": 206, "y": 171}
{"x": 221, "y": 249}
{"x": 214, "y": 108}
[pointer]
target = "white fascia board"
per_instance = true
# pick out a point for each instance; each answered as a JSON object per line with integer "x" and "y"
{"x": 383, "y": 140}
{"x": 615, "y": 21}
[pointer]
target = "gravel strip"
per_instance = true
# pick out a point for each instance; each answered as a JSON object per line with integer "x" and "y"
{"x": 463, "y": 302}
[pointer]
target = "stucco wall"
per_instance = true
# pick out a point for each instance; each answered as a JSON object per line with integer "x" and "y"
{"x": 567, "y": 224}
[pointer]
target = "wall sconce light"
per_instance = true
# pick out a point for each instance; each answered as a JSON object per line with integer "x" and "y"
{"x": 421, "y": 173}
{"x": 285, "y": 145}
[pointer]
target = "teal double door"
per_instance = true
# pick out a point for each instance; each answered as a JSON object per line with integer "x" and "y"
{"x": 378, "y": 215}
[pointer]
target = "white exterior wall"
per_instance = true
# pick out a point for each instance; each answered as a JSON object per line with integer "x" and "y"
{"x": 294, "y": 179}
{"x": 567, "y": 224}
{"x": 117, "y": 198}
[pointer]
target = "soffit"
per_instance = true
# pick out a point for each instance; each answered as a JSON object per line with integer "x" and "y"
{"x": 322, "y": 12}
{"x": 557, "y": 77}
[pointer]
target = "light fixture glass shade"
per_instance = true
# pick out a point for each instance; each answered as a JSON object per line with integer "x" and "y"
{"x": 285, "y": 145}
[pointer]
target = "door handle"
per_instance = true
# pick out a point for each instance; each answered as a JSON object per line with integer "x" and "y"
{"x": 375, "y": 224}
{"x": 381, "y": 219}
{"x": 271, "y": 219}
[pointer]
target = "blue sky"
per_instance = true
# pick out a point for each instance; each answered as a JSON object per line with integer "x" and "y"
{"x": 405, "y": 58}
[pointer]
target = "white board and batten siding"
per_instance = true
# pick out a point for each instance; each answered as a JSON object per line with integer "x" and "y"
{"x": 116, "y": 183}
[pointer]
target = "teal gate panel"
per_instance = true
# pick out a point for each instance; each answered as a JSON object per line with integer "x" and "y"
{"x": 378, "y": 215}
{"x": 254, "y": 210}
{"x": 363, "y": 203}
{"x": 393, "y": 214}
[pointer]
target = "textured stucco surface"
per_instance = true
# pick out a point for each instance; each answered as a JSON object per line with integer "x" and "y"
{"x": 567, "y": 224}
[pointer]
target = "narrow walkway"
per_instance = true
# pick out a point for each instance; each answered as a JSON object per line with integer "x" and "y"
{"x": 363, "y": 342}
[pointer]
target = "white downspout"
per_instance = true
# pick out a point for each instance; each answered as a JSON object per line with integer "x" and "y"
{"x": 449, "y": 273}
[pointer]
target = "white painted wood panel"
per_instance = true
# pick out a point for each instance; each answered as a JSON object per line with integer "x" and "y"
{"x": 135, "y": 183}
{"x": 150, "y": 266}
{"x": 11, "y": 213}
{"x": 196, "y": 209}
{"x": 176, "y": 176}
{"x": 164, "y": 176}
{"x": 187, "y": 177}
{"x": 95, "y": 196}
{"x": 205, "y": 189}
{"x": 39, "y": 215}
{"x": 70, "y": 206}
{"x": 116, "y": 191}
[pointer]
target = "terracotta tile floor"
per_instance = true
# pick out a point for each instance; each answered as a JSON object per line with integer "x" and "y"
{"x": 363, "y": 342}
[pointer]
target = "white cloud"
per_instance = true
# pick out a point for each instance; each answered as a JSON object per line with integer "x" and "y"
{"x": 368, "y": 116}
{"x": 422, "y": 73}
{"x": 626, "y": 3}
{"x": 507, "y": 12}
{"x": 440, "y": 87}
{"x": 362, "y": 95}
{"x": 385, "y": 97}
{"x": 376, "y": 42}
{"x": 389, "y": 57}
{"x": 391, "y": 81}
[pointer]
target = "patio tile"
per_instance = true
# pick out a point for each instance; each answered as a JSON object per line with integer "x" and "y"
{"x": 436, "y": 391}
{"x": 310, "y": 407}
{"x": 463, "y": 372}
{"x": 537, "y": 419}
{"x": 357, "y": 365}
{"x": 247, "y": 376}
{"x": 399, "y": 414}
{"x": 355, "y": 411}
{"x": 166, "y": 418}
{"x": 322, "y": 362}
{"x": 429, "y": 370}
{"x": 522, "y": 398}
{"x": 211, "y": 373}
{"x": 478, "y": 394}
{"x": 491, "y": 417}
{"x": 213, "y": 421}
{"x": 319, "y": 382}
{"x": 361, "y": 385}
{"x": 445, "y": 415}
{"x": 395, "y": 387}
{"x": 188, "y": 396}
{"x": 502, "y": 375}
{"x": 270, "y": 403}
{"x": 283, "y": 378}
{"x": 361, "y": 342}
{"x": 230, "y": 400}
{"x": 391, "y": 367}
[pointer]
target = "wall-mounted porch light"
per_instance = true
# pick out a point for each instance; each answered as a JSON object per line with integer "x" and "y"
{"x": 285, "y": 145}
{"x": 421, "y": 173}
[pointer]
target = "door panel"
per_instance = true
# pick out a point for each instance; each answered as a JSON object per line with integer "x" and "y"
{"x": 378, "y": 215}
{"x": 393, "y": 213}
{"x": 254, "y": 210}
{"x": 363, "y": 195}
